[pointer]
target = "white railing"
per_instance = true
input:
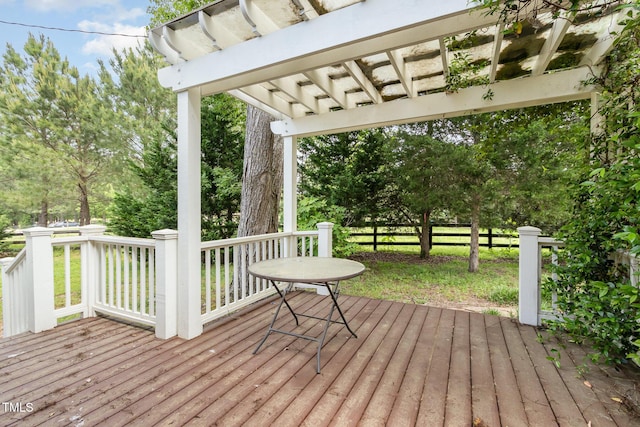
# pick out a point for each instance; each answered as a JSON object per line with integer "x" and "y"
{"x": 14, "y": 294}
{"x": 126, "y": 286}
{"x": 136, "y": 279}
{"x": 227, "y": 286}
{"x": 530, "y": 275}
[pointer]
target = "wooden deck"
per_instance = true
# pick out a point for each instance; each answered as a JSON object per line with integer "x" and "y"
{"x": 410, "y": 365}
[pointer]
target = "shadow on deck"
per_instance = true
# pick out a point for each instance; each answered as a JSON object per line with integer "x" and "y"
{"x": 410, "y": 365}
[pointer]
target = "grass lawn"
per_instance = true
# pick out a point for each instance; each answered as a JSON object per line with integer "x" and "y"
{"x": 442, "y": 280}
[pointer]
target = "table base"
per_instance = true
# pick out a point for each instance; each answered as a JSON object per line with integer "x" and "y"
{"x": 320, "y": 340}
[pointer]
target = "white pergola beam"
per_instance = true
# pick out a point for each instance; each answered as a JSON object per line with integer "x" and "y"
{"x": 559, "y": 29}
{"x": 604, "y": 44}
{"x": 497, "y": 47}
{"x": 365, "y": 29}
{"x": 356, "y": 73}
{"x": 323, "y": 81}
{"x": 397, "y": 62}
{"x": 517, "y": 93}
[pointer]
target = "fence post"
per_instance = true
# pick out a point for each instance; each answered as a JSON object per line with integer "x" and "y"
{"x": 529, "y": 272}
{"x": 167, "y": 283}
{"x": 490, "y": 238}
{"x": 39, "y": 279}
{"x": 325, "y": 239}
{"x": 90, "y": 256}
{"x": 375, "y": 237}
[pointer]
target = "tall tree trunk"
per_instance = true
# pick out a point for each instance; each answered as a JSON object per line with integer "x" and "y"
{"x": 474, "y": 252}
{"x": 261, "y": 177}
{"x": 43, "y": 217}
{"x": 425, "y": 234}
{"x": 85, "y": 212}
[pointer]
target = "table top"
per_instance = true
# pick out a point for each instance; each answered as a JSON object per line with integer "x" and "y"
{"x": 307, "y": 269}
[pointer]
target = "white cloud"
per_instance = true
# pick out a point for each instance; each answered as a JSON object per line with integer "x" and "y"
{"x": 104, "y": 44}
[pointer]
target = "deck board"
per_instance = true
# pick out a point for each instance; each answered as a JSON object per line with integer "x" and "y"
{"x": 410, "y": 365}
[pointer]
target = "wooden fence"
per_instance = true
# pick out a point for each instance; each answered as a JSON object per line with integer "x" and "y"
{"x": 387, "y": 234}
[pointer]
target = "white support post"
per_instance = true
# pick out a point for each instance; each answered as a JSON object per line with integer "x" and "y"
{"x": 166, "y": 283}
{"x": 325, "y": 239}
{"x": 189, "y": 205}
{"x": 529, "y": 272}
{"x": 289, "y": 196}
{"x": 90, "y": 256}
{"x": 39, "y": 279}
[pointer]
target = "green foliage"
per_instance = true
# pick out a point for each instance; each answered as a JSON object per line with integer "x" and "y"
{"x": 600, "y": 304}
{"x": 57, "y": 120}
{"x": 164, "y": 10}
{"x": 312, "y": 210}
{"x": 504, "y": 295}
{"x": 155, "y": 208}
{"x": 348, "y": 170}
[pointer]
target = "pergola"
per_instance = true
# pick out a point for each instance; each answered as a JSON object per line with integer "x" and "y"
{"x": 328, "y": 66}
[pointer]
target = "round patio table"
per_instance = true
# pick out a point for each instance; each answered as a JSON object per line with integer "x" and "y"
{"x": 318, "y": 271}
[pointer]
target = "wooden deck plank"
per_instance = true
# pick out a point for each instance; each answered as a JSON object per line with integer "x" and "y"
{"x": 405, "y": 408}
{"x": 185, "y": 383}
{"x": 565, "y": 409}
{"x": 358, "y": 397}
{"x": 509, "y": 400}
{"x": 299, "y": 396}
{"x": 598, "y": 406}
{"x": 535, "y": 402}
{"x": 65, "y": 358}
{"x": 274, "y": 396}
{"x": 458, "y": 403}
{"x": 433, "y": 402}
{"x": 484, "y": 402}
{"x": 410, "y": 365}
{"x": 385, "y": 394}
{"x": 259, "y": 389}
{"x": 324, "y": 409}
{"x": 282, "y": 356}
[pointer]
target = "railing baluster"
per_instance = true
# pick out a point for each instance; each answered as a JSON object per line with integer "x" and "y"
{"x": 135, "y": 281}
{"x": 143, "y": 281}
{"x": 67, "y": 275}
{"x": 127, "y": 301}
{"x": 152, "y": 282}
{"x": 118, "y": 278}
{"x": 207, "y": 280}
{"x": 218, "y": 295}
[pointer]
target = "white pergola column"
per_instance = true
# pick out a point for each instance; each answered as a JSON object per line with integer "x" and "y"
{"x": 189, "y": 206}
{"x": 290, "y": 179}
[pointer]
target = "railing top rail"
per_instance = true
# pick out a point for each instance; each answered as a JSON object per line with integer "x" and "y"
{"x": 59, "y": 241}
{"x": 16, "y": 260}
{"x": 240, "y": 240}
{"x": 306, "y": 233}
{"x": 117, "y": 240}
{"x": 550, "y": 241}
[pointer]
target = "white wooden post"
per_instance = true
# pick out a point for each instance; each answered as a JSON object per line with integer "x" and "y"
{"x": 289, "y": 194}
{"x": 166, "y": 279}
{"x": 90, "y": 262}
{"x": 189, "y": 205}
{"x": 529, "y": 271}
{"x": 10, "y": 302}
{"x": 325, "y": 239}
{"x": 39, "y": 279}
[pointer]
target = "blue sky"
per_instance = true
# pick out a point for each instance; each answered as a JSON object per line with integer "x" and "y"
{"x": 82, "y": 50}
